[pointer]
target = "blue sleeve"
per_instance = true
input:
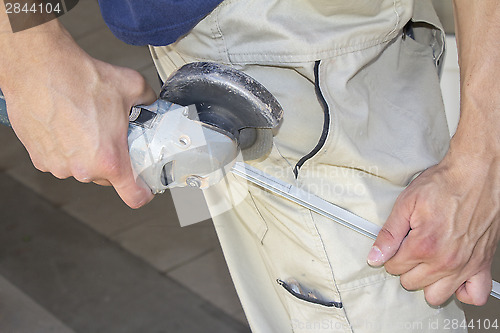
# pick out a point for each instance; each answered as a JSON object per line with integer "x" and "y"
{"x": 154, "y": 22}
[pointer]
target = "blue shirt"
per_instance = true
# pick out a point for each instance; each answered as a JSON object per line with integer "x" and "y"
{"x": 154, "y": 22}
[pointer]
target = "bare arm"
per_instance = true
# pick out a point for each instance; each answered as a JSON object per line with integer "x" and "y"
{"x": 443, "y": 231}
{"x": 477, "y": 29}
{"x": 70, "y": 110}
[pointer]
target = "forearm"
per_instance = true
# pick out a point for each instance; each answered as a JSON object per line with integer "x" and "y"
{"x": 70, "y": 110}
{"x": 30, "y": 50}
{"x": 445, "y": 226}
{"x": 477, "y": 32}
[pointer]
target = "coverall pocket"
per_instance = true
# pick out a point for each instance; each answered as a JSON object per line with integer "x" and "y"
{"x": 293, "y": 249}
{"x": 307, "y": 314}
{"x": 427, "y": 30}
{"x": 296, "y": 290}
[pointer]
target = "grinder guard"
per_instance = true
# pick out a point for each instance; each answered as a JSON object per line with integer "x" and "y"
{"x": 173, "y": 145}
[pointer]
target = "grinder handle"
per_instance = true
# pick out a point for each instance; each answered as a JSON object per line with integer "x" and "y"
{"x": 4, "y": 117}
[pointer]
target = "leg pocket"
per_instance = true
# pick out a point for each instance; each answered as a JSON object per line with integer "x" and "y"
{"x": 310, "y": 313}
{"x": 293, "y": 249}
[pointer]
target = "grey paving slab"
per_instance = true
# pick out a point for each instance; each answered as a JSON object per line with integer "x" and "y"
{"x": 83, "y": 19}
{"x": 491, "y": 311}
{"x": 240, "y": 316}
{"x": 103, "y": 211}
{"x": 103, "y": 45}
{"x": 86, "y": 281}
{"x": 484, "y": 317}
{"x": 14, "y": 160}
{"x": 12, "y": 152}
{"x": 96, "y": 206}
{"x": 58, "y": 191}
{"x": 20, "y": 314}
{"x": 208, "y": 277}
{"x": 163, "y": 243}
{"x": 151, "y": 76}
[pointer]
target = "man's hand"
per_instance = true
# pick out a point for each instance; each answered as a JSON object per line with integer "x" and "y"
{"x": 71, "y": 111}
{"x": 443, "y": 231}
{"x": 444, "y": 228}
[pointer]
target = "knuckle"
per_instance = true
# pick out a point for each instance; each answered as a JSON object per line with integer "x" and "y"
{"x": 433, "y": 299}
{"x": 82, "y": 176}
{"x": 39, "y": 166}
{"x": 391, "y": 268}
{"x": 139, "y": 82}
{"x": 452, "y": 262}
{"x": 426, "y": 248}
{"x": 58, "y": 168}
{"x": 109, "y": 164}
{"x": 408, "y": 283}
{"x": 133, "y": 74}
{"x": 480, "y": 300}
{"x": 60, "y": 173}
{"x": 426, "y": 205}
{"x": 136, "y": 204}
{"x": 80, "y": 171}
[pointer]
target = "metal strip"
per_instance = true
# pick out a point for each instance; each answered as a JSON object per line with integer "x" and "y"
{"x": 495, "y": 291}
{"x": 316, "y": 204}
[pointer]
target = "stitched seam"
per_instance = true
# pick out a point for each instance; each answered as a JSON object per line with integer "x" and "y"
{"x": 365, "y": 172}
{"x": 224, "y": 50}
{"x": 325, "y": 54}
{"x": 330, "y": 270}
{"x": 365, "y": 284}
{"x": 264, "y": 228}
{"x": 398, "y": 18}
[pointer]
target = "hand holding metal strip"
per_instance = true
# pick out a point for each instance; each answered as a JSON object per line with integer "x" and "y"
{"x": 316, "y": 204}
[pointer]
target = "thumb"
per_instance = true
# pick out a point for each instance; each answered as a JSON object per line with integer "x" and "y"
{"x": 131, "y": 189}
{"x": 137, "y": 89}
{"x": 391, "y": 235}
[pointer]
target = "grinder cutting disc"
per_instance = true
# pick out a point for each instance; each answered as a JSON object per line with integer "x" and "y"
{"x": 229, "y": 100}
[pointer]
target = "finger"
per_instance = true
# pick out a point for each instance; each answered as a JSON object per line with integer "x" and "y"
{"x": 148, "y": 96}
{"x": 411, "y": 253}
{"x": 439, "y": 292}
{"x": 131, "y": 189}
{"x": 81, "y": 172}
{"x": 134, "y": 192}
{"x": 476, "y": 290}
{"x": 420, "y": 277}
{"x": 392, "y": 234}
{"x": 414, "y": 279}
{"x": 139, "y": 90}
{"x": 58, "y": 167}
{"x": 102, "y": 182}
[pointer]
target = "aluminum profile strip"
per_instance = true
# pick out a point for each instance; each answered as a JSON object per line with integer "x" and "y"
{"x": 316, "y": 204}
{"x": 495, "y": 291}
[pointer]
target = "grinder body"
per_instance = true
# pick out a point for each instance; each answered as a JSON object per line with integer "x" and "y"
{"x": 206, "y": 115}
{"x": 169, "y": 147}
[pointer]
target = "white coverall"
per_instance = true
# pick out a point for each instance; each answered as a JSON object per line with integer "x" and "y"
{"x": 363, "y": 116}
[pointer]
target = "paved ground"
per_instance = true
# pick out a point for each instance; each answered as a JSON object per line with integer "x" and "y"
{"x": 73, "y": 258}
